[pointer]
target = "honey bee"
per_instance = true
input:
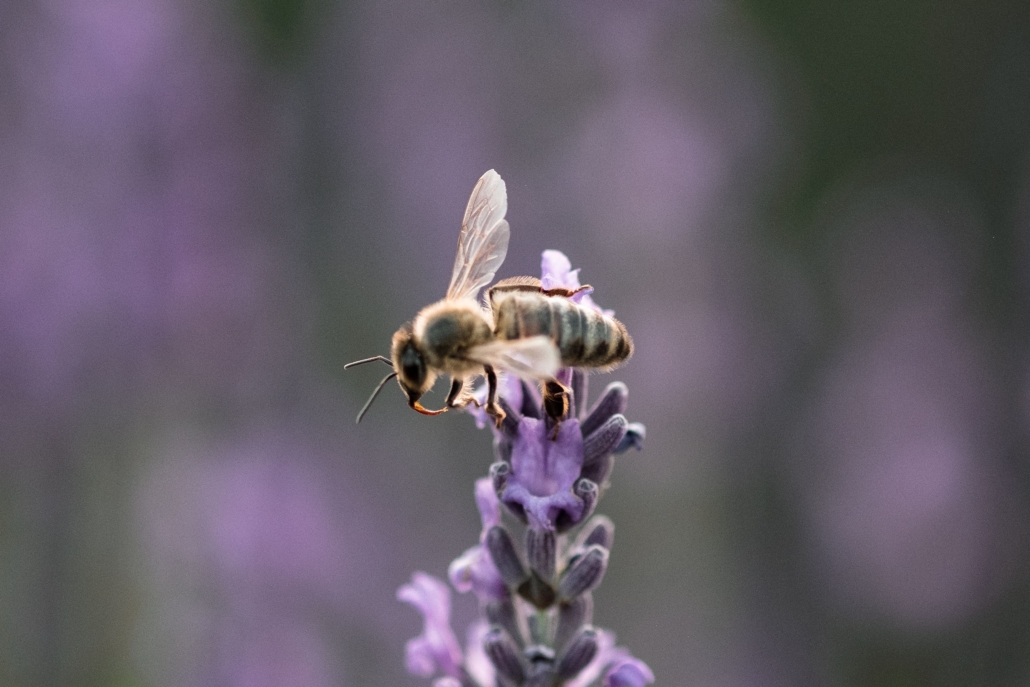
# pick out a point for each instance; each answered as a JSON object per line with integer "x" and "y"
{"x": 521, "y": 328}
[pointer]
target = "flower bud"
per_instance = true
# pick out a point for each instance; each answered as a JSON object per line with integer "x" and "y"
{"x": 635, "y": 435}
{"x": 600, "y": 470}
{"x": 502, "y": 612}
{"x": 584, "y": 574}
{"x": 580, "y": 652}
{"x": 612, "y": 401}
{"x": 540, "y": 550}
{"x": 603, "y": 440}
{"x": 602, "y": 533}
{"x": 502, "y": 653}
{"x": 573, "y": 615}
{"x": 502, "y": 551}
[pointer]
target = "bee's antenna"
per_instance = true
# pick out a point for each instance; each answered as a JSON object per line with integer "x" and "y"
{"x": 368, "y": 360}
{"x": 374, "y": 393}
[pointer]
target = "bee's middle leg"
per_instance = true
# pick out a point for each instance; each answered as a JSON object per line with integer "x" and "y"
{"x": 556, "y": 403}
{"x": 493, "y": 409}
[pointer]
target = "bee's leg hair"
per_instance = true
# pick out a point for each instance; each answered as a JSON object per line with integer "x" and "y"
{"x": 556, "y": 403}
{"x": 493, "y": 409}
{"x": 456, "y": 386}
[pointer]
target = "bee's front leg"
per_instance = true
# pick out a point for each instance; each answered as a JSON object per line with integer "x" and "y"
{"x": 493, "y": 409}
{"x": 452, "y": 397}
{"x": 556, "y": 403}
{"x": 458, "y": 397}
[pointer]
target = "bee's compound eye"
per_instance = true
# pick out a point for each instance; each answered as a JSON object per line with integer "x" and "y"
{"x": 412, "y": 367}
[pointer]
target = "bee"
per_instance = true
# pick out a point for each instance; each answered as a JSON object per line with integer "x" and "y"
{"x": 521, "y": 328}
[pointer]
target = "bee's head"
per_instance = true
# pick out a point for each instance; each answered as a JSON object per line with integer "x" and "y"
{"x": 409, "y": 364}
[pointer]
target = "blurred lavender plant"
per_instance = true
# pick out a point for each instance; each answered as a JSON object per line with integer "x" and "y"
{"x": 535, "y": 599}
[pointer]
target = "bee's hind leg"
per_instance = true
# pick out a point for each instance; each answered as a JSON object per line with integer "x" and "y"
{"x": 493, "y": 409}
{"x": 556, "y": 403}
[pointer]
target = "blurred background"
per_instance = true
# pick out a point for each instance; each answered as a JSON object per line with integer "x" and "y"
{"x": 812, "y": 215}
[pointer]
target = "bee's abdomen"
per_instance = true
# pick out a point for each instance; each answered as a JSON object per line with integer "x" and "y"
{"x": 585, "y": 337}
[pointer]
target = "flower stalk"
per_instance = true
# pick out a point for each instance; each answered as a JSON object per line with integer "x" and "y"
{"x": 535, "y": 598}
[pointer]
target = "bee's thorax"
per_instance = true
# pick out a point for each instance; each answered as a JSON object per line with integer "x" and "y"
{"x": 446, "y": 330}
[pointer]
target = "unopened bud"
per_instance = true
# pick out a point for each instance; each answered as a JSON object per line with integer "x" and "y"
{"x": 502, "y": 653}
{"x": 573, "y": 615}
{"x": 502, "y": 612}
{"x": 540, "y": 550}
{"x": 580, "y": 652}
{"x": 602, "y": 533}
{"x": 584, "y": 574}
{"x": 635, "y": 435}
{"x": 603, "y": 440}
{"x": 502, "y": 551}
{"x": 612, "y": 401}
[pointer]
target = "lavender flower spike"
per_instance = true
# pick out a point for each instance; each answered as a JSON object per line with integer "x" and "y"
{"x": 536, "y": 597}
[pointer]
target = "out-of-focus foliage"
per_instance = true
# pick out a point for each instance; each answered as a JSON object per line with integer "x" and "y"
{"x": 280, "y": 27}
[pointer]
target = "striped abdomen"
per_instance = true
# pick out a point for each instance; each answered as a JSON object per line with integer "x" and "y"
{"x": 585, "y": 337}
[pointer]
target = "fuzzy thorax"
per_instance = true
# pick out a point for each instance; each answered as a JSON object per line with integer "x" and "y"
{"x": 447, "y": 329}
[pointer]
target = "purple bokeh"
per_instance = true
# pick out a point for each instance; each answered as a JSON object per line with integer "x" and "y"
{"x": 194, "y": 240}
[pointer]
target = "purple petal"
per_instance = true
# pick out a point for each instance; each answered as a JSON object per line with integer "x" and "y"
{"x": 542, "y": 466}
{"x": 475, "y": 571}
{"x": 583, "y": 298}
{"x": 446, "y": 682}
{"x": 543, "y": 511}
{"x": 556, "y": 270}
{"x": 543, "y": 471}
{"x": 628, "y": 672}
{"x": 419, "y": 657}
{"x": 486, "y": 501}
{"x": 429, "y": 595}
{"x": 436, "y": 648}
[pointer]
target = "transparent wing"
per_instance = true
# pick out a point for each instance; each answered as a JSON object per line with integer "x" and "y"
{"x": 483, "y": 242}
{"x": 533, "y": 358}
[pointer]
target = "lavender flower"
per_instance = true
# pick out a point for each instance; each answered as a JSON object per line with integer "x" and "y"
{"x": 536, "y": 598}
{"x": 436, "y": 649}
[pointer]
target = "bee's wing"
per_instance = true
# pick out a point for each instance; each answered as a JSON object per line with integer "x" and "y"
{"x": 483, "y": 242}
{"x": 535, "y": 357}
